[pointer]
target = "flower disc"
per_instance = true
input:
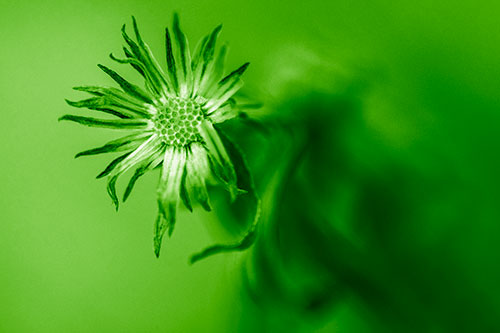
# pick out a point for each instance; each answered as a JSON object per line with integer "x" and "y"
{"x": 176, "y": 123}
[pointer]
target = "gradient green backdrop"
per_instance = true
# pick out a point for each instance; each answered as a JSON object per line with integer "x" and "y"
{"x": 70, "y": 263}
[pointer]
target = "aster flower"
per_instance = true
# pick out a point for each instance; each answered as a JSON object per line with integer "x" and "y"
{"x": 171, "y": 122}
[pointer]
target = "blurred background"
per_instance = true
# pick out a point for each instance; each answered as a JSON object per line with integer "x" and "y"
{"x": 376, "y": 155}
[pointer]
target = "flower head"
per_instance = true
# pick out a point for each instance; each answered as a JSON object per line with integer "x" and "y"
{"x": 171, "y": 121}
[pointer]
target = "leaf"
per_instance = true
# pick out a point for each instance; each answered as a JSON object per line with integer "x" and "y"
{"x": 244, "y": 244}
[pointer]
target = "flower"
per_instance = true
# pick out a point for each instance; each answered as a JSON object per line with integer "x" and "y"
{"x": 171, "y": 122}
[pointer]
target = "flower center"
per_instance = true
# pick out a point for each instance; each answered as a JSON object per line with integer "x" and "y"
{"x": 176, "y": 123}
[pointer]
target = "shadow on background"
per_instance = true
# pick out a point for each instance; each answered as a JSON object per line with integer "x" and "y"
{"x": 391, "y": 231}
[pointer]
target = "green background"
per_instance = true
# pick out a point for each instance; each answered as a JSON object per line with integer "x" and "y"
{"x": 426, "y": 131}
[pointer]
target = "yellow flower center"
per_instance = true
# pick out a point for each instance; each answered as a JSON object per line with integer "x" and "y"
{"x": 176, "y": 123}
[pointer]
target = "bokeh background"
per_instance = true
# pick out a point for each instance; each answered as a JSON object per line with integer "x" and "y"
{"x": 376, "y": 154}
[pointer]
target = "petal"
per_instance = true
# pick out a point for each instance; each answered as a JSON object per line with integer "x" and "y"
{"x": 226, "y": 88}
{"x": 148, "y": 165}
{"x": 172, "y": 71}
{"x": 127, "y": 87}
{"x": 225, "y": 112}
{"x": 141, "y": 68}
{"x": 124, "y": 143}
{"x": 137, "y": 65}
{"x": 147, "y": 149}
{"x": 112, "y": 98}
{"x": 141, "y": 52}
{"x": 197, "y": 55}
{"x": 96, "y": 103}
{"x": 220, "y": 162}
{"x": 183, "y": 59}
{"x": 138, "y": 156}
{"x": 111, "y": 188}
{"x": 174, "y": 162}
{"x": 183, "y": 191}
{"x": 214, "y": 75}
{"x": 203, "y": 62}
{"x": 151, "y": 60}
{"x": 161, "y": 225}
{"x": 107, "y": 123}
{"x": 197, "y": 171}
{"x": 113, "y": 165}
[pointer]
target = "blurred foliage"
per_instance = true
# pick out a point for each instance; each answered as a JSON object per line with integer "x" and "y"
{"x": 384, "y": 227}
